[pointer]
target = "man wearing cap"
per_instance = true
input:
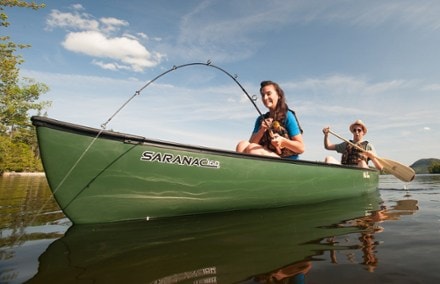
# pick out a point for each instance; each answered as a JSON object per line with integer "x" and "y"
{"x": 350, "y": 154}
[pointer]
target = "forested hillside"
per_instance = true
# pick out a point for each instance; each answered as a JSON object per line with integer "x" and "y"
{"x": 426, "y": 166}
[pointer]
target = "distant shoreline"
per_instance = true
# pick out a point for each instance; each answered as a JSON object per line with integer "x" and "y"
{"x": 12, "y": 174}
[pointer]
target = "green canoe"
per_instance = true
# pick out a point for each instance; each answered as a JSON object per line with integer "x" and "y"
{"x": 101, "y": 176}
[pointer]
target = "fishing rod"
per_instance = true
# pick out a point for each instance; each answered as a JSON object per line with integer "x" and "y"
{"x": 207, "y": 64}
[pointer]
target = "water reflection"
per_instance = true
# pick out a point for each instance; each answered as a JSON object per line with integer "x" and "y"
{"x": 369, "y": 226}
{"x": 216, "y": 248}
{"x": 361, "y": 242}
{"x": 29, "y": 221}
{"x": 26, "y": 204}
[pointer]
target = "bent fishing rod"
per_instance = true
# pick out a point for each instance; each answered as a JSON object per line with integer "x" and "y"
{"x": 207, "y": 64}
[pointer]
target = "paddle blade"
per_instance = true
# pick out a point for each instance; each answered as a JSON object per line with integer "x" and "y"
{"x": 400, "y": 171}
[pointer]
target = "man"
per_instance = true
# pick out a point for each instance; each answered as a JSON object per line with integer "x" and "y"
{"x": 352, "y": 155}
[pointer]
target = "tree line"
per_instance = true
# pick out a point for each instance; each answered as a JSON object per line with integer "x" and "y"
{"x": 18, "y": 98}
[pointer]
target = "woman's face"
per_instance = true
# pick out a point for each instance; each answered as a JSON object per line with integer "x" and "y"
{"x": 270, "y": 97}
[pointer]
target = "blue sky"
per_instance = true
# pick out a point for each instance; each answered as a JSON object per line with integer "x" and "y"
{"x": 337, "y": 61}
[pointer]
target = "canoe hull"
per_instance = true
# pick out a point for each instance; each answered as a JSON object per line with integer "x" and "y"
{"x": 100, "y": 176}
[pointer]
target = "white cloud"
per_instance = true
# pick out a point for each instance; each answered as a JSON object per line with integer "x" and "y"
{"x": 126, "y": 50}
{"x": 112, "y": 24}
{"x": 110, "y": 66}
{"x": 96, "y": 39}
{"x": 342, "y": 85}
{"x": 142, "y": 35}
{"x": 58, "y": 19}
{"x": 431, "y": 87}
{"x": 77, "y": 7}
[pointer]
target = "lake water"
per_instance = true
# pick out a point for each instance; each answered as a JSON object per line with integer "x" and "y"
{"x": 392, "y": 236}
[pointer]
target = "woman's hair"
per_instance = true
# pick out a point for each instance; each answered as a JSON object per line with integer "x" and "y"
{"x": 281, "y": 108}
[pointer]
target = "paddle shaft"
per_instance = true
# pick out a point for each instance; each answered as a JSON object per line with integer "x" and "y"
{"x": 348, "y": 141}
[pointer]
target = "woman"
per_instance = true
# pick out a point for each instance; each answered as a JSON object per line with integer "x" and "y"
{"x": 279, "y": 133}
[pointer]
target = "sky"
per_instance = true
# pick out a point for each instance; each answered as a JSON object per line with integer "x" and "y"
{"x": 336, "y": 60}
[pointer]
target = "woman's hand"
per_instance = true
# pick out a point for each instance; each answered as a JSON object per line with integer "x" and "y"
{"x": 277, "y": 142}
{"x": 266, "y": 124}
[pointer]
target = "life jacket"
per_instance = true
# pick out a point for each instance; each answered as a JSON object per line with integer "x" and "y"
{"x": 352, "y": 155}
{"x": 278, "y": 127}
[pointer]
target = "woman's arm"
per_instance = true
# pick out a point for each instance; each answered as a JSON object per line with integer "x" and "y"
{"x": 256, "y": 136}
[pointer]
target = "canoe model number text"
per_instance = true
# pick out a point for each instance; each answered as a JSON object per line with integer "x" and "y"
{"x": 168, "y": 158}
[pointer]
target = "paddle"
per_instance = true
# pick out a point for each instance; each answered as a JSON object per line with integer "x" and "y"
{"x": 400, "y": 171}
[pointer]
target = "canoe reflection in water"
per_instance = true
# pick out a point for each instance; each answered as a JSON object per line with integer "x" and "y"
{"x": 257, "y": 246}
{"x": 362, "y": 242}
{"x": 369, "y": 226}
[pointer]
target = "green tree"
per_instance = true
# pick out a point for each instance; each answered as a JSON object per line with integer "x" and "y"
{"x": 18, "y": 96}
{"x": 434, "y": 168}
